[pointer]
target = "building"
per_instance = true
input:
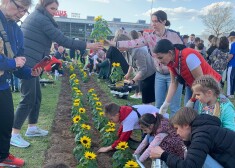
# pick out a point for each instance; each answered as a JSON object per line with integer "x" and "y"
{"x": 82, "y": 28}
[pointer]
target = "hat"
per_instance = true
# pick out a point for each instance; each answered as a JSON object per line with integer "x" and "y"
{"x": 232, "y": 34}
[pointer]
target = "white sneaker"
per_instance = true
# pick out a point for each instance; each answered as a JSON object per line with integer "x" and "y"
{"x": 134, "y": 96}
{"x": 18, "y": 141}
{"x": 36, "y": 132}
{"x": 139, "y": 96}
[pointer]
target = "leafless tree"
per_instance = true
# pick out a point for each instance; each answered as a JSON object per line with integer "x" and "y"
{"x": 219, "y": 20}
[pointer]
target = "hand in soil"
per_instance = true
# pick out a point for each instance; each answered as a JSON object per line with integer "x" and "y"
{"x": 105, "y": 149}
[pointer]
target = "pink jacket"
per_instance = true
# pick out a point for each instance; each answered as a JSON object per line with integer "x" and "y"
{"x": 150, "y": 40}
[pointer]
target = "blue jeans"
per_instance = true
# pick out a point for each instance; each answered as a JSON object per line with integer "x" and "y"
{"x": 162, "y": 83}
{"x": 188, "y": 95}
{"x": 211, "y": 163}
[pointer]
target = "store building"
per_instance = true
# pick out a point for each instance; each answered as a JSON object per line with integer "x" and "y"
{"x": 82, "y": 28}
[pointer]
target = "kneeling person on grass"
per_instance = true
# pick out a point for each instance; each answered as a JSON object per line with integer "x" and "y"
{"x": 128, "y": 117}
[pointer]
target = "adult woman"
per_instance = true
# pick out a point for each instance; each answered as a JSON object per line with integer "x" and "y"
{"x": 162, "y": 78}
{"x": 10, "y": 12}
{"x": 184, "y": 63}
{"x": 145, "y": 68}
{"x": 39, "y": 30}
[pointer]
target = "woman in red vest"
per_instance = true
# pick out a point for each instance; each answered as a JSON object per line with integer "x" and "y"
{"x": 185, "y": 65}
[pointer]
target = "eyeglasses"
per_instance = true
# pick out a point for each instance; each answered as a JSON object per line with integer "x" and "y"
{"x": 20, "y": 8}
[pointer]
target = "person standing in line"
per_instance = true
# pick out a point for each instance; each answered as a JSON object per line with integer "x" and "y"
{"x": 38, "y": 40}
{"x": 162, "y": 79}
{"x": 12, "y": 60}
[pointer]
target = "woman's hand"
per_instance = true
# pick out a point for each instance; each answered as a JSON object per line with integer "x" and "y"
{"x": 156, "y": 152}
{"x": 36, "y": 72}
{"x": 94, "y": 46}
{"x": 20, "y": 61}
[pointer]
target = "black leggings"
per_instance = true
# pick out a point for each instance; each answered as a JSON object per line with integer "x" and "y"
{"x": 6, "y": 122}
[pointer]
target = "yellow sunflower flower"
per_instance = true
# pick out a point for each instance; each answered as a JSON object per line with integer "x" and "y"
{"x": 98, "y": 103}
{"x": 75, "y": 88}
{"x": 72, "y": 76}
{"x": 122, "y": 145}
{"x": 130, "y": 164}
{"x": 110, "y": 130}
{"x": 78, "y": 91}
{"x": 94, "y": 95}
{"x": 85, "y": 126}
{"x": 76, "y": 104}
{"x": 76, "y": 101}
{"x": 76, "y": 119}
{"x": 85, "y": 141}
{"x": 82, "y": 110}
{"x": 90, "y": 90}
{"x": 101, "y": 113}
{"x": 98, "y": 109}
{"x": 111, "y": 124}
{"x": 90, "y": 155}
{"x": 76, "y": 81}
{"x": 96, "y": 99}
{"x": 114, "y": 64}
{"x": 117, "y": 64}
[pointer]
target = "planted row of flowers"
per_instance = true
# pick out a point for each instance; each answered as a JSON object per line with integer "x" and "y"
{"x": 83, "y": 151}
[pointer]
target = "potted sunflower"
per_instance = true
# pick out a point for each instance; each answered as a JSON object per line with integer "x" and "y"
{"x": 101, "y": 29}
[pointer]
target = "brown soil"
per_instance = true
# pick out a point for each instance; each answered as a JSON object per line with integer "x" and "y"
{"x": 62, "y": 140}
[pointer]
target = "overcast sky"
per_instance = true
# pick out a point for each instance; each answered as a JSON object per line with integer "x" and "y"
{"x": 183, "y": 14}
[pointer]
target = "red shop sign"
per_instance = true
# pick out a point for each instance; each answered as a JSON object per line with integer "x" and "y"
{"x": 61, "y": 13}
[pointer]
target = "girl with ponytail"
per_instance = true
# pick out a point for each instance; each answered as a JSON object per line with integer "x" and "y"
{"x": 159, "y": 133}
{"x": 206, "y": 89}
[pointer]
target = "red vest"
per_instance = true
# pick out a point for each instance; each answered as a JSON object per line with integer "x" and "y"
{"x": 184, "y": 70}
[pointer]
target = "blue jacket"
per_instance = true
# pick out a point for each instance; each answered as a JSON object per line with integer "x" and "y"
{"x": 8, "y": 65}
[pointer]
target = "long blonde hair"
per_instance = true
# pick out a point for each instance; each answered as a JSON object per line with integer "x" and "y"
{"x": 205, "y": 83}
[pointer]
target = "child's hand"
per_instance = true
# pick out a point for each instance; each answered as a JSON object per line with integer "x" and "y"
{"x": 156, "y": 152}
{"x": 105, "y": 149}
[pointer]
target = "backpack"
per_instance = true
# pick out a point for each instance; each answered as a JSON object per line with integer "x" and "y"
{"x": 218, "y": 60}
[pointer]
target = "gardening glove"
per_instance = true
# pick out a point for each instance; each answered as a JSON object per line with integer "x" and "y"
{"x": 190, "y": 103}
{"x": 164, "y": 108}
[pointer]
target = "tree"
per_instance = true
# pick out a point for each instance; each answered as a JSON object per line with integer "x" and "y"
{"x": 218, "y": 20}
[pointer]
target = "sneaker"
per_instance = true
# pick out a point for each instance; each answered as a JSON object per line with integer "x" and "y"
{"x": 139, "y": 96}
{"x": 12, "y": 161}
{"x": 18, "y": 141}
{"x": 134, "y": 96}
{"x": 36, "y": 132}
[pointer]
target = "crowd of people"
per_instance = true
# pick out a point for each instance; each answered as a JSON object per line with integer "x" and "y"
{"x": 161, "y": 63}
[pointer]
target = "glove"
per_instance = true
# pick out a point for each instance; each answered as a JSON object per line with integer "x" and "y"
{"x": 164, "y": 108}
{"x": 190, "y": 103}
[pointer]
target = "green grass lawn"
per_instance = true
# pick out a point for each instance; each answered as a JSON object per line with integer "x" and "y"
{"x": 34, "y": 154}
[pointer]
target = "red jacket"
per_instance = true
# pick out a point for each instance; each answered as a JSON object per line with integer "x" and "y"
{"x": 123, "y": 136}
{"x": 53, "y": 61}
{"x": 184, "y": 70}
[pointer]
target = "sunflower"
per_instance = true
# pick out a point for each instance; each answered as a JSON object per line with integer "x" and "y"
{"x": 82, "y": 110}
{"x": 85, "y": 141}
{"x": 75, "y": 88}
{"x": 98, "y": 103}
{"x": 110, "y": 130}
{"x": 111, "y": 124}
{"x": 130, "y": 164}
{"x": 101, "y": 113}
{"x": 76, "y": 81}
{"x": 96, "y": 99}
{"x": 90, "y": 155}
{"x": 114, "y": 64}
{"x": 76, "y": 101}
{"x": 85, "y": 126}
{"x": 94, "y": 95}
{"x": 122, "y": 145}
{"x": 78, "y": 91}
{"x": 76, "y": 104}
{"x": 72, "y": 76}
{"x": 90, "y": 90}
{"x": 98, "y": 109}
{"x": 76, "y": 119}
{"x": 117, "y": 64}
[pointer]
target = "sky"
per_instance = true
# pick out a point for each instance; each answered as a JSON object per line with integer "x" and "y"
{"x": 183, "y": 14}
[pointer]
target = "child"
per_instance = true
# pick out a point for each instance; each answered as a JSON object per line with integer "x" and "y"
{"x": 159, "y": 133}
{"x": 207, "y": 91}
{"x": 128, "y": 118}
{"x": 205, "y": 137}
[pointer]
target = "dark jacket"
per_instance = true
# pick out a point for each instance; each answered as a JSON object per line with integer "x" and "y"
{"x": 207, "y": 138}
{"x": 40, "y": 29}
{"x": 114, "y": 55}
{"x": 8, "y": 65}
